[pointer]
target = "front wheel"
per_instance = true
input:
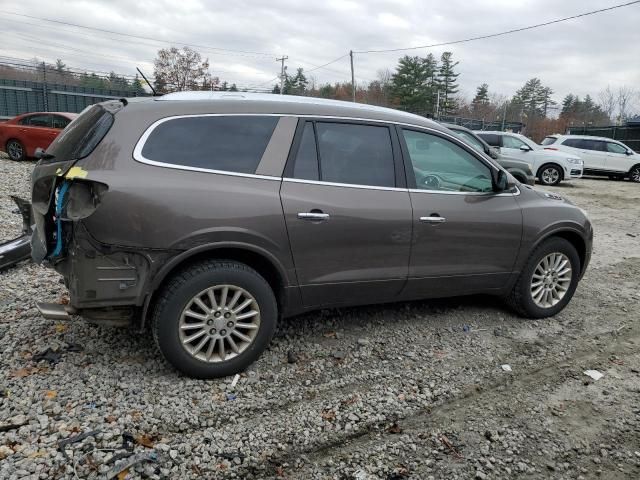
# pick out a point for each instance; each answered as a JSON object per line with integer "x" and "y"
{"x": 550, "y": 175}
{"x": 16, "y": 150}
{"x": 214, "y": 319}
{"x": 634, "y": 174}
{"x": 547, "y": 281}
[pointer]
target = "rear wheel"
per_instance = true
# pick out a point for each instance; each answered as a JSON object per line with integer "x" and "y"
{"x": 634, "y": 174}
{"x": 214, "y": 319}
{"x": 16, "y": 150}
{"x": 550, "y": 175}
{"x": 548, "y": 280}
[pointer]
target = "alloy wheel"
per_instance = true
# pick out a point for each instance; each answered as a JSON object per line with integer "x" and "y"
{"x": 14, "y": 149}
{"x": 550, "y": 176}
{"x": 219, "y": 323}
{"x": 551, "y": 279}
{"x": 635, "y": 174}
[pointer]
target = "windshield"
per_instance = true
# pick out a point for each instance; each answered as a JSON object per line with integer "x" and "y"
{"x": 82, "y": 135}
{"x": 470, "y": 139}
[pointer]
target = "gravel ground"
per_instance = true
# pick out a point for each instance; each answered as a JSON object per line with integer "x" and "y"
{"x": 412, "y": 390}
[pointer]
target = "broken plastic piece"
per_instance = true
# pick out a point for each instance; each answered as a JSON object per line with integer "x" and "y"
{"x": 234, "y": 382}
{"x": 506, "y": 367}
{"x": 595, "y": 374}
{"x": 129, "y": 462}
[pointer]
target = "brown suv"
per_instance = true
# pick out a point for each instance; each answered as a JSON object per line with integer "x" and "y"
{"x": 209, "y": 216}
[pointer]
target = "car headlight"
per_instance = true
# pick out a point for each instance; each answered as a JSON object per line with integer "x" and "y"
{"x": 575, "y": 161}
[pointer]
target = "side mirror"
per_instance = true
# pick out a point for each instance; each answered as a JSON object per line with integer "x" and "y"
{"x": 629, "y": 152}
{"x": 525, "y": 148}
{"x": 493, "y": 153}
{"x": 500, "y": 181}
{"x": 39, "y": 153}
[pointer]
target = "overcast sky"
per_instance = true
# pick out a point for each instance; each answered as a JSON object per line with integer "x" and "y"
{"x": 579, "y": 56}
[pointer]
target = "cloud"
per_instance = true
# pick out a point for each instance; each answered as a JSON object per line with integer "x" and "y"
{"x": 580, "y": 56}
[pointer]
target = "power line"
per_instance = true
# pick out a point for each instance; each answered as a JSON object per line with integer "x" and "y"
{"x": 482, "y": 37}
{"x": 194, "y": 45}
{"x": 332, "y": 61}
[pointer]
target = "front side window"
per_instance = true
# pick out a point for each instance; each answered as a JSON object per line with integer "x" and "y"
{"x": 615, "y": 148}
{"x": 37, "y": 121}
{"x": 512, "y": 142}
{"x": 355, "y": 154}
{"x": 441, "y": 165}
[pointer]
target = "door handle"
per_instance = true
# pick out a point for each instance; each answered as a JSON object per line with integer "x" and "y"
{"x": 313, "y": 216}
{"x": 433, "y": 219}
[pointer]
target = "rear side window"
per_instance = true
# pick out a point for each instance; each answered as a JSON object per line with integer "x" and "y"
{"x": 549, "y": 141}
{"x": 355, "y": 154}
{"x": 60, "y": 122}
{"x": 571, "y": 142}
{"x": 232, "y": 144}
{"x": 491, "y": 138}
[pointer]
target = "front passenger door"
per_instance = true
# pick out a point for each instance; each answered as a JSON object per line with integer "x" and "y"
{"x": 466, "y": 237}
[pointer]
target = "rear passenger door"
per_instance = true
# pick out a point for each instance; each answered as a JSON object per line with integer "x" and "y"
{"x": 347, "y": 211}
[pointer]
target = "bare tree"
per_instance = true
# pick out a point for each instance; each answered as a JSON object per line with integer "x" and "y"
{"x": 626, "y": 96}
{"x": 607, "y": 101}
{"x": 177, "y": 70}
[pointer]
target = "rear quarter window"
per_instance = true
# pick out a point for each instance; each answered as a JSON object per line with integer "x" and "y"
{"x": 232, "y": 143}
{"x": 549, "y": 141}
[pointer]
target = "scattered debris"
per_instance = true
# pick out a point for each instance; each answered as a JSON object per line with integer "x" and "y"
{"x": 234, "y": 382}
{"x": 25, "y": 372}
{"x": 128, "y": 441}
{"x": 74, "y": 347}
{"x": 394, "y": 428}
{"x": 632, "y": 235}
{"x": 292, "y": 357}
{"x": 5, "y": 452}
{"x": 146, "y": 440}
{"x": 328, "y": 415}
{"x": 129, "y": 462}
{"x": 75, "y": 439}
{"x": 466, "y": 328}
{"x": 48, "y": 355}
{"x": 595, "y": 374}
{"x": 231, "y": 397}
{"x": 450, "y": 446}
{"x": 506, "y": 367}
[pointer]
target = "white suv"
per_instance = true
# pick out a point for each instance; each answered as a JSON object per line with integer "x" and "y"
{"x": 549, "y": 167}
{"x": 601, "y": 155}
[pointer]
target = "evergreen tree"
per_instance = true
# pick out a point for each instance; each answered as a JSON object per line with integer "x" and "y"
{"x": 482, "y": 95}
{"x": 233, "y": 88}
{"x": 296, "y": 85}
{"x": 276, "y": 89}
{"x": 412, "y": 85}
{"x": 447, "y": 83}
{"x": 61, "y": 67}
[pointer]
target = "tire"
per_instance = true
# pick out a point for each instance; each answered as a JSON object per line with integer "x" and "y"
{"x": 172, "y": 327}
{"x": 634, "y": 173}
{"x": 521, "y": 298}
{"x": 550, "y": 175}
{"x": 15, "y": 150}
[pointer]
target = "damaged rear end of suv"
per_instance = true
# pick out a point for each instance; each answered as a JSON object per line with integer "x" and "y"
{"x": 64, "y": 196}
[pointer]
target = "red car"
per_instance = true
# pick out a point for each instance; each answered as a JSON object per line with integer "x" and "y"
{"x": 21, "y": 135}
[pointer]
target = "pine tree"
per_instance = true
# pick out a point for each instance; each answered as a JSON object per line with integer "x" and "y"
{"x": 412, "y": 85}
{"x": 482, "y": 95}
{"x": 447, "y": 83}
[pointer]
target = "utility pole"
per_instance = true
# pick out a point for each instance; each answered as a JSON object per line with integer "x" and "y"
{"x": 282, "y": 74}
{"x": 353, "y": 78}
{"x": 504, "y": 116}
{"x": 45, "y": 100}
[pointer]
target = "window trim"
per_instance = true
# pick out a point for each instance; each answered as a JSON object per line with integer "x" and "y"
{"x": 301, "y": 118}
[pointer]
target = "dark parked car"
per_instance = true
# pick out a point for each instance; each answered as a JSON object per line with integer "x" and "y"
{"x": 22, "y": 135}
{"x": 209, "y": 216}
{"x": 519, "y": 169}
